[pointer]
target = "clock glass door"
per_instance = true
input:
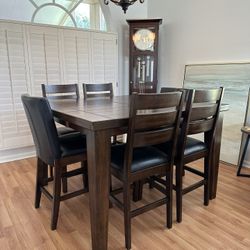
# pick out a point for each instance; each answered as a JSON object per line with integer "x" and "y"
{"x": 143, "y": 73}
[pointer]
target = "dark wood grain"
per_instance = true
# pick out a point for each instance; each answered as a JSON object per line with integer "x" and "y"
{"x": 60, "y": 91}
{"x": 101, "y": 118}
{"x": 97, "y": 90}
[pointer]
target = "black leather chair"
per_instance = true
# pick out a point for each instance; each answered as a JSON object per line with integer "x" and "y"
{"x": 53, "y": 150}
{"x": 154, "y": 119}
{"x": 200, "y": 116}
{"x": 61, "y": 91}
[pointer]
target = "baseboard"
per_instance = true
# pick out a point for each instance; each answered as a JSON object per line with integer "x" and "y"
{"x": 246, "y": 164}
{"x": 16, "y": 154}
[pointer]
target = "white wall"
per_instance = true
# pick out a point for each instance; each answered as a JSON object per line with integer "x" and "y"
{"x": 196, "y": 31}
{"x": 200, "y": 31}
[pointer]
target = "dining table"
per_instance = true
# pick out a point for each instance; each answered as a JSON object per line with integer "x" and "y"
{"x": 99, "y": 119}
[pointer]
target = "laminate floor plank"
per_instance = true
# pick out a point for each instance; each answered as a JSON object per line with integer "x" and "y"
{"x": 224, "y": 224}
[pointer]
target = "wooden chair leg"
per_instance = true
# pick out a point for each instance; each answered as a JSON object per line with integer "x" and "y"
{"x": 207, "y": 162}
{"x": 169, "y": 194}
{"x": 51, "y": 178}
{"x": 178, "y": 178}
{"x": 110, "y": 190}
{"x": 137, "y": 190}
{"x": 41, "y": 180}
{"x": 127, "y": 217}
{"x": 64, "y": 180}
{"x": 85, "y": 178}
{"x": 56, "y": 196}
{"x": 242, "y": 158}
{"x": 151, "y": 182}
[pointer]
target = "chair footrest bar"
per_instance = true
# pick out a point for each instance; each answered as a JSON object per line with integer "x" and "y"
{"x": 194, "y": 171}
{"x": 159, "y": 179}
{"x": 116, "y": 191}
{"x": 159, "y": 187}
{"x": 244, "y": 175}
{"x": 50, "y": 179}
{"x": 148, "y": 207}
{"x": 73, "y": 173}
{"x": 73, "y": 194}
{"x": 193, "y": 187}
{"x": 46, "y": 193}
{"x": 117, "y": 202}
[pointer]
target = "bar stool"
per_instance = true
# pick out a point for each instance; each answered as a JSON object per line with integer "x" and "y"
{"x": 245, "y": 130}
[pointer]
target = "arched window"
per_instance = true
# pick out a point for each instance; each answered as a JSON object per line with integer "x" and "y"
{"x": 85, "y": 14}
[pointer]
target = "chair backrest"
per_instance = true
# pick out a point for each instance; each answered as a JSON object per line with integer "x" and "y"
{"x": 97, "y": 90}
{"x": 153, "y": 119}
{"x": 42, "y": 127}
{"x": 169, "y": 89}
{"x": 201, "y": 114}
{"x": 60, "y": 91}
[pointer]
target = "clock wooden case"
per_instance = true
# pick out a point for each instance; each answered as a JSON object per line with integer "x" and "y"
{"x": 143, "y": 55}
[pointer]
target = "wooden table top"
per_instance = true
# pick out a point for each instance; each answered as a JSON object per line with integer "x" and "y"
{"x": 93, "y": 114}
{"x": 96, "y": 114}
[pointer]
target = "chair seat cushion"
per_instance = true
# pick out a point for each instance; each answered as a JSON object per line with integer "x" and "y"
{"x": 143, "y": 158}
{"x": 192, "y": 146}
{"x": 72, "y": 144}
{"x": 65, "y": 130}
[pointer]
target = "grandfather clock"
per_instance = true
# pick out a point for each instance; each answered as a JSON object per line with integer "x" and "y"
{"x": 143, "y": 55}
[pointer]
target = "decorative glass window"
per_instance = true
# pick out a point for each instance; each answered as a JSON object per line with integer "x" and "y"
{"x": 85, "y": 14}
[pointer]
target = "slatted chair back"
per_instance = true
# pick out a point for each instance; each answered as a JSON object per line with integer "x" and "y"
{"x": 154, "y": 119}
{"x": 201, "y": 116}
{"x": 60, "y": 91}
{"x": 169, "y": 89}
{"x": 97, "y": 90}
{"x": 43, "y": 128}
{"x": 203, "y": 107}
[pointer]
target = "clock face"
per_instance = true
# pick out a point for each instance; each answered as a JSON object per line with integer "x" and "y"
{"x": 144, "y": 39}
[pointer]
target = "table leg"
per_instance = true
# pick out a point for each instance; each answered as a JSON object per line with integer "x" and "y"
{"x": 216, "y": 158}
{"x": 98, "y": 153}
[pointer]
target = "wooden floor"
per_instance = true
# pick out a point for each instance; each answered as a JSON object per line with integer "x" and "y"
{"x": 224, "y": 224}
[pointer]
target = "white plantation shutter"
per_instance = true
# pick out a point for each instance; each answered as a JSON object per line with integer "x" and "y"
{"x": 37, "y": 61}
{"x": 44, "y": 57}
{"x": 34, "y": 54}
{"x": 104, "y": 58}
{"x": 110, "y": 59}
{"x": 98, "y": 58}
{"x": 52, "y": 56}
{"x": 70, "y": 56}
{"x": 13, "y": 82}
{"x": 83, "y": 56}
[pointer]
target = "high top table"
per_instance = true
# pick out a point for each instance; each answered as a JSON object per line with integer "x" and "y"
{"x": 99, "y": 119}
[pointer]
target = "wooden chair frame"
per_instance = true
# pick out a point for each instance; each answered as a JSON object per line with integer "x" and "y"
{"x": 144, "y": 130}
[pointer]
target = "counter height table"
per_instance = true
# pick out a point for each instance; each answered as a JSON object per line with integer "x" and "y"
{"x": 99, "y": 119}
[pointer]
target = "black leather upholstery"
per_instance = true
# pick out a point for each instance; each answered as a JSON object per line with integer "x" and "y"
{"x": 72, "y": 144}
{"x": 49, "y": 146}
{"x": 143, "y": 158}
{"x": 65, "y": 130}
{"x": 42, "y": 127}
{"x": 192, "y": 146}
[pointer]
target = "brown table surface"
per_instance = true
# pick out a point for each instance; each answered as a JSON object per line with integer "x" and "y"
{"x": 99, "y": 119}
